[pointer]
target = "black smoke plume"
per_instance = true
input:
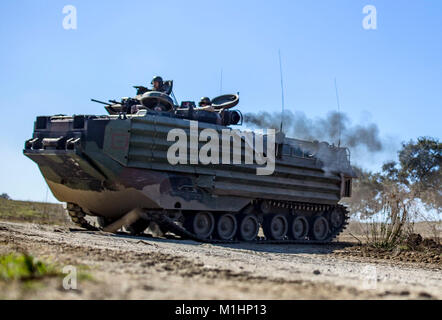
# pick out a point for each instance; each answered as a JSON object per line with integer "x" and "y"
{"x": 297, "y": 125}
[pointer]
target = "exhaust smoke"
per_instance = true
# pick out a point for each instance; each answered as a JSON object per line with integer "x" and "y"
{"x": 298, "y": 125}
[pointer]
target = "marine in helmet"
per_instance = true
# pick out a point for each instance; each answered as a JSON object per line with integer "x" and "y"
{"x": 158, "y": 84}
{"x": 205, "y": 104}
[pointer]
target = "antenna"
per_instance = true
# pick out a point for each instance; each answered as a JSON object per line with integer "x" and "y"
{"x": 282, "y": 91}
{"x": 339, "y": 112}
{"x": 221, "y": 83}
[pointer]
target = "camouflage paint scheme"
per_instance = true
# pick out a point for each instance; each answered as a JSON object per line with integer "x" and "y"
{"x": 109, "y": 165}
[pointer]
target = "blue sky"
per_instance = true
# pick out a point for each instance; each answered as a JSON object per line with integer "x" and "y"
{"x": 390, "y": 76}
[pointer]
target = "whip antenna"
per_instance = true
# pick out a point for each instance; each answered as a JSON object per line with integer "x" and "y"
{"x": 221, "y": 83}
{"x": 339, "y": 112}
{"x": 282, "y": 91}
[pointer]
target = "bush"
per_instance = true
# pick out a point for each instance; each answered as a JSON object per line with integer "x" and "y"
{"x": 24, "y": 267}
{"x": 392, "y": 198}
{"x": 5, "y": 196}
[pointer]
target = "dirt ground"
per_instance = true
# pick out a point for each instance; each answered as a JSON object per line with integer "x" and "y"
{"x": 123, "y": 267}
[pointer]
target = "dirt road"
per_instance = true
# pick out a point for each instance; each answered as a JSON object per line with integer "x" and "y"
{"x": 126, "y": 267}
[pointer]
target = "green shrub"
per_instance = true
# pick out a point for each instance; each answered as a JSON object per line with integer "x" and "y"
{"x": 23, "y": 266}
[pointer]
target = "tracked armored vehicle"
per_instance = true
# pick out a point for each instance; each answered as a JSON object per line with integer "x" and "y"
{"x": 115, "y": 167}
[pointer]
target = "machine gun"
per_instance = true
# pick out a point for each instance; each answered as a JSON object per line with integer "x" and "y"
{"x": 109, "y": 107}
{"x": 102, "y": 102}
{"x": 116, "y": 107}
{"x": 141, "y": 90}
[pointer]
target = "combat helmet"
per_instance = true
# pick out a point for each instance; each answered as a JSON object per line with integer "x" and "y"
{"x": 157, "y": 78}
{"x": 205, "y": 101}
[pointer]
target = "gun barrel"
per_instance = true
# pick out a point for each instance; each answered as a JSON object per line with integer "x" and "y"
{"x": 98, "y": 101}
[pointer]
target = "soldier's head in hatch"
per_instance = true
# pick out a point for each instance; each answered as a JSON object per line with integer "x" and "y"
{"x": 157, "y": 83}
{"x": 204, "y": 102}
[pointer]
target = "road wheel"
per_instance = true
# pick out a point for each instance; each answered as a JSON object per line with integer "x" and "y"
{"x": 248, "y": 227}
{"x": 226, "y": 226}
{"x": 298, "y": 228}
{"x": 320, "y": 229}
{"x": 201, "y": 224}
{"x": 275, "y": 227}
{"x": 337, "y": 218}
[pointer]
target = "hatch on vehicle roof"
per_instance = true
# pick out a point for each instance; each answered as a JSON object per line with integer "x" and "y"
{"x": 225, "y": 101}
{"x": 153, "y": 99}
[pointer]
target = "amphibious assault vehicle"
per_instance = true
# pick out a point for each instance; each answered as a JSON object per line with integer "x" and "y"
{"x": 115, "y": 167}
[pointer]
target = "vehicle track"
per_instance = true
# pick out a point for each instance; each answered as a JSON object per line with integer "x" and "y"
{"x": 162, "y": 219}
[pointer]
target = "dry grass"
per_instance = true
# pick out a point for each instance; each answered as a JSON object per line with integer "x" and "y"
{"x": 419, "y": 242}
{"x": 35, "y": 212}
{"x": 357, "y": 230}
